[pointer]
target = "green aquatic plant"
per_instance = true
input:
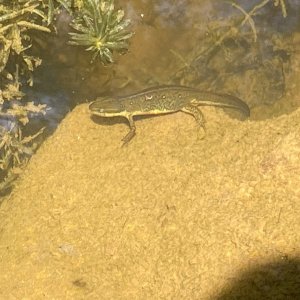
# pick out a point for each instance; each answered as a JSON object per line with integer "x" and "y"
{"x": 98, "y": 26}
{"x": 101, "y": 29}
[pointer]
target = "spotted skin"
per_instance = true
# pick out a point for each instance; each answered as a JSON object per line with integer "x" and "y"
{"x": 164, "y": 100}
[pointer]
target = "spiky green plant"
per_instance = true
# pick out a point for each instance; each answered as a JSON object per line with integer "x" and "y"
{"x": 101, "y": 29}
{"x": 98, "y": 26}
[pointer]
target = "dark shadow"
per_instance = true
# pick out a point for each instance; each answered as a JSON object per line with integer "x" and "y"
{"x": 5, "y": 192}
{"x": 278, "y": 280}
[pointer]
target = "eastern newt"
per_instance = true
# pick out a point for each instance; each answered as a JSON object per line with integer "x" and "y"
{"x": 163, "y": 100}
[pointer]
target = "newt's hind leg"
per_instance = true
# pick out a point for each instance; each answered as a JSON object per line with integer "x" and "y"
{"x": 131, "y": 133}
{"x": 197, "y": 114}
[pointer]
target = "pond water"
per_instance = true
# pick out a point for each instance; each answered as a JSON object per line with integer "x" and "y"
{"x": 211, "y": 45}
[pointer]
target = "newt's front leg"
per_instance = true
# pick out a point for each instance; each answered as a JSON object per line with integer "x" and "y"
{"x": 131, "y": 133}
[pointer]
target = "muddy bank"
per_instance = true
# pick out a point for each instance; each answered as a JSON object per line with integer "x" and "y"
{"x": 167, "y": 217}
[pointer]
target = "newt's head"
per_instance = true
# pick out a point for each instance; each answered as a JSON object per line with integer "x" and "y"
{"x": 107, "y": 107}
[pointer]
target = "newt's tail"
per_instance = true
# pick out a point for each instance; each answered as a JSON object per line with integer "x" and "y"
{"x": 221, "y": 100}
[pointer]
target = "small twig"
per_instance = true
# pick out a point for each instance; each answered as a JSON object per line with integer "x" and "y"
{"x": 283, "y": 7}
{"x": 15, "y": 14}
{"x": 233, "y": 30}
{"x": 185, "y": 63}
{"x": 247, "y": 18}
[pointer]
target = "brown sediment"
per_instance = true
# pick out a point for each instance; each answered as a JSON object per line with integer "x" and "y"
{"x": 168, "y": 216}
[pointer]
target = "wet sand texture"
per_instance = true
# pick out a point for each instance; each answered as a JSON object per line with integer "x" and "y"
{"x": 168, "y": 217}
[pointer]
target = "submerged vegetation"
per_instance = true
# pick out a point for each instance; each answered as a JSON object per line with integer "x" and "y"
{"x": 97, "y": 25}
{"x": 101, "y": 29}
{"x": 220, "y": 37}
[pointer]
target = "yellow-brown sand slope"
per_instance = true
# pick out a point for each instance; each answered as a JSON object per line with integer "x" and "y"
{"x": 168, "y": 217}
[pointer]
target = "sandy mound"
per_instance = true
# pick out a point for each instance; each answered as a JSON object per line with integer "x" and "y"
{"x": 168, "y": 217}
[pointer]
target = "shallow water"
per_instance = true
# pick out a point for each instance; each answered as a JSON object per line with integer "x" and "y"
{"x": 170, "y": 216}
{"x": 182, "y": 42}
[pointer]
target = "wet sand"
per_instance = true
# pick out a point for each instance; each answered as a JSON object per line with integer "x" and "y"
{"x": 167, "y": 217}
